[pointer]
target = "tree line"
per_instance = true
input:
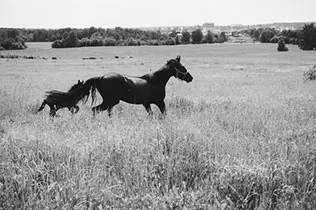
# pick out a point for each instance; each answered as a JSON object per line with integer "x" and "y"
{"x": 305, "y": 38}
{"x": 71, "y": 37}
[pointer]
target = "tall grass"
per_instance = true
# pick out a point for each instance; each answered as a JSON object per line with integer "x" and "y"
{"x": 204, "y": 155}
{"x": 241, "y": 136}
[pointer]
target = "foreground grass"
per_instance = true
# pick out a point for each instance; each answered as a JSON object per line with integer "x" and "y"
{"x": 221, "y": 155}
{"x": 240, "y": 136}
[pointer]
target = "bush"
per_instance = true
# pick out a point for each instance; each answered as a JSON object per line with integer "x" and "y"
{"x": 310, "y": 74}
{"x": 57, "y": 44}
{"x": 281, "y": 46}
{"x": 11, "y": 44}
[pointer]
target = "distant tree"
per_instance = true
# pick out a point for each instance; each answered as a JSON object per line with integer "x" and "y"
{"x": 169, "y": 41}
{"x": 96, "y": 42}
{"x": 292, "y": 36}
{"x": 113, "y": 33}
{"x": 177, "y": 40}
{"x": 256, "y": 34}
{"x": 109, "y": 41}
{"x": 96, "y": 35}
{"x": 131, "y": 42}
{"x": 222, "y": 37}
{"x": 185, "y": 39}
{"x": 8, "y": 43}
{"x": 40, "y": 35}
{"x": 173, "y": 34}
{"x": 71, "y": 40}
{"x": 197, "y": 36}
{"x": 267, "y": 35}
{"x": 308, "y": 37}
{"x": 209, "y": 37}
{"x": 11, "y": 39}
{"x": 12, "y": 33}
{"x": 3, "y": 35}
{"x": 65, "y": 35}
{"x": 91, "y": 31}
{"x": 84, "y": 42}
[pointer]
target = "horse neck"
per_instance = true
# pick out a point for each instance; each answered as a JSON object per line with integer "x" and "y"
{"x": 78, "y": 91}
{"x": 162, "y": 76}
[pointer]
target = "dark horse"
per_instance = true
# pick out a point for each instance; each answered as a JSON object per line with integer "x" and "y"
{"x": 56, "y": 99}
{"x": 146, "y": 90}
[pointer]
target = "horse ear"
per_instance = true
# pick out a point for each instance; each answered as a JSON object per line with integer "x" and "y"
{"x": 178, "y": 58}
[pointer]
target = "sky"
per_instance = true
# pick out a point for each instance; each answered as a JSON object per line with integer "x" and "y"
{"x": 53, "y": 14}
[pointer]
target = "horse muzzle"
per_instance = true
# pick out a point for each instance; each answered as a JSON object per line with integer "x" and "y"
{"x": 188, "y": 78}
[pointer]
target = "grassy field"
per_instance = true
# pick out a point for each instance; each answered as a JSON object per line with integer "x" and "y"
{"x": 240, "y": 136}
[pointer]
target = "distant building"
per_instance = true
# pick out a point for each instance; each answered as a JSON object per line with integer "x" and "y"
{"x": 208, "y": 25}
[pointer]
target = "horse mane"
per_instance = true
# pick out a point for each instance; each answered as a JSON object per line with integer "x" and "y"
{"x": 170, "y": 61}
{"x": 75, "y": 86}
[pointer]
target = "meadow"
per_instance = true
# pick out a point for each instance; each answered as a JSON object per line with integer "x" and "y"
{"x": 241, "y": 135}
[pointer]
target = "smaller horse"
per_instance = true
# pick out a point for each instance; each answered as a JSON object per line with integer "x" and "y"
{"x": 56, "y": 99}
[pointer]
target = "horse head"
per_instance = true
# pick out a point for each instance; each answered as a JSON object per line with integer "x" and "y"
{"x": 180, "y": 71}
{"x": 76, "y": 86}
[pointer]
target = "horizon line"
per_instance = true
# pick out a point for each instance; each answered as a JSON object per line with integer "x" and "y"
{"x": 166, "y": 26}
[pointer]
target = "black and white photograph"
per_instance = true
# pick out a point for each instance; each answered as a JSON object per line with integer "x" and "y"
{"x": 167, "y": 105}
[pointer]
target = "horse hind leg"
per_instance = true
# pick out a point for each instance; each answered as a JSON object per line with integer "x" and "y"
{"x": 41, "y": 107}
{"x": 74, "y": 109}
{"x": 99, "y": 108}
{"x": 110, "y": 108}
{"x": 104, "y": 106}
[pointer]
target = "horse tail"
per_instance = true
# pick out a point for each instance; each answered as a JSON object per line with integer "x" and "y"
{"x": 93, "y": 93}
{"x": 91, "y": 89}
{"x": 42, "y": 106}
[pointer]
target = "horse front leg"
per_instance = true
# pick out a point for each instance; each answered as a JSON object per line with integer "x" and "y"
{"x": 148, "y": 109}
{"x": 52, "y": 111}
{"x": 162, "y": 107}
